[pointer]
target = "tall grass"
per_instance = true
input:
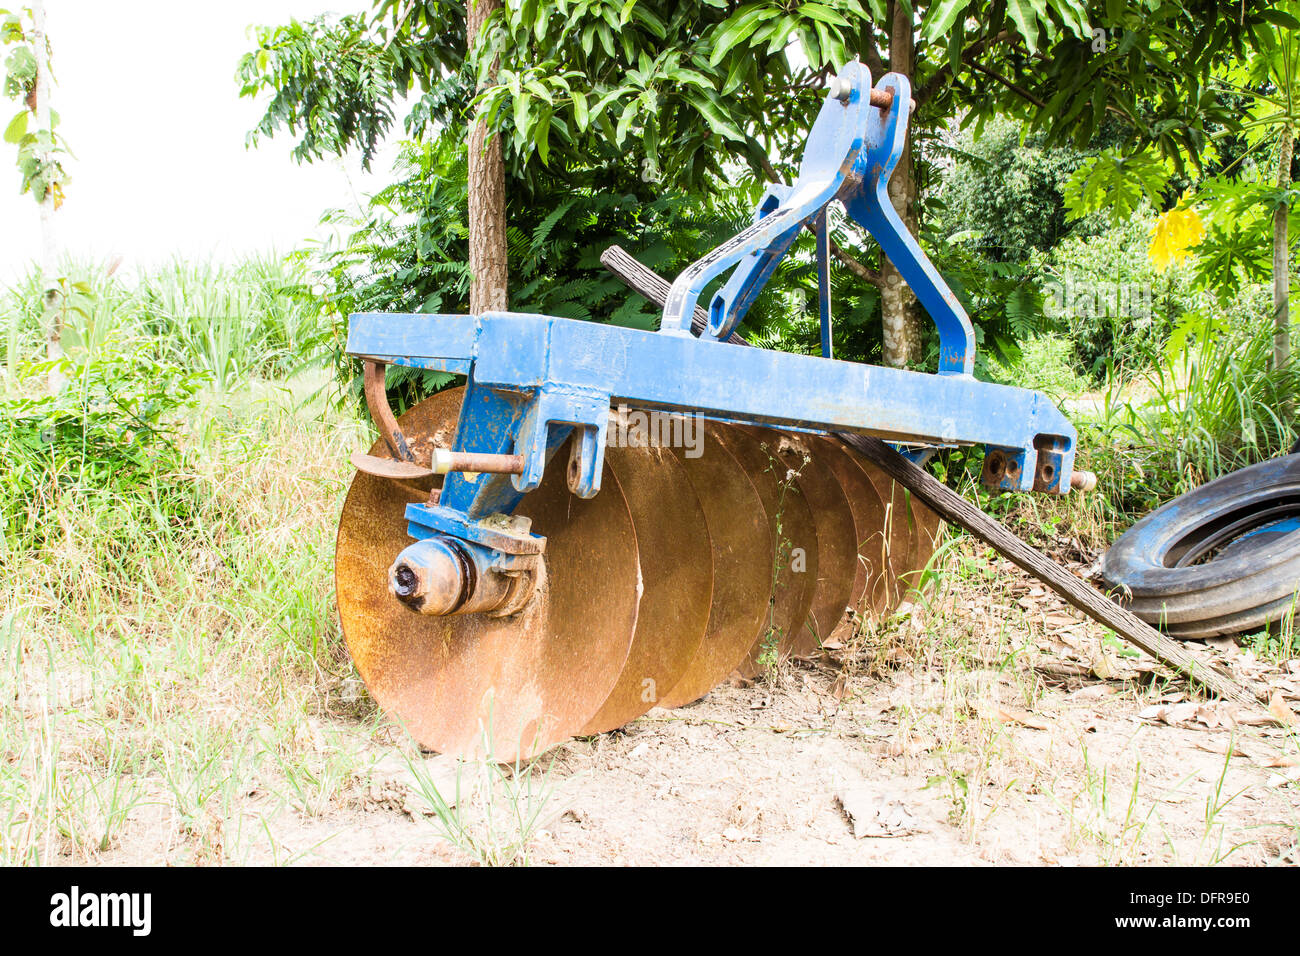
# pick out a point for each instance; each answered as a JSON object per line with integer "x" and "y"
{"x": 257, "y": 317}
{"x": 160, "y": 672}
{"x": 167, "y": 633}
{"x": 1214, "y": 406}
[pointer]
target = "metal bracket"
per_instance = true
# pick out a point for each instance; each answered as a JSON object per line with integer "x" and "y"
{"x": 850, "y": 154}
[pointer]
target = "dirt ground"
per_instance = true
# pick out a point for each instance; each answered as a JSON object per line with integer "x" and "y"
{"x": 989, "y": 726}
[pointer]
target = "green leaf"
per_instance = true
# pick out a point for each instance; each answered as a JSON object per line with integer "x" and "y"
{"x": 651, "y": 21}
{"x": 625, "y": 122}
{"x": 580, "y": 109}
{"x": 537, "y": 89}
{"x": 1115, "y": 183}
{"x": 521, "y": 115}
{"x": 1022, "y": 13}
{"x": 816, "y": 11}
{"x": 940, "y": 18}
{"x": 717, "y": 120}
{"x": 1281, "y": 19}
{"x": 17, "y": 128}
{"x": 735, "y": 74}
{"x": 739, "y": 26}
{"x": 542, "y": 136}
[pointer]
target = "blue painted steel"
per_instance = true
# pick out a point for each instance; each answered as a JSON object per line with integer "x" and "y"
{"x": 534, "y": 379}
{"x": 850, "y": 154}
{"x": 546, "y": 374}
{"x": 824, "y": 283}
{"x": 867, "y": 201}
{"x": 832, "y": 147}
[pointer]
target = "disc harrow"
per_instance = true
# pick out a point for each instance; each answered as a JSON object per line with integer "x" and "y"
{"x": 682, "y": 572}
{"x": 603, "y": 520}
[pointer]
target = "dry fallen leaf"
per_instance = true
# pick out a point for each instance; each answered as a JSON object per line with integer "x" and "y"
{"x": 1190, "y": 714}
{"x": 1289, "y": 760}
{"x": 1093, "y": 691}
{"x": 1280, "y": 711}
{"x": 1010, "y": 715}
{"x": 1171, "y": 713}
{"x": 1282, "y": 779}
{"x": 1212, "y": 716}
{"x": 1256, "y": 719}
{"x": 1104, "y": 668}
{"x": 840, "y": 686}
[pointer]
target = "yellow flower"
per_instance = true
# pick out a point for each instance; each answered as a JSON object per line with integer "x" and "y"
{"x": 1173, "y": 236}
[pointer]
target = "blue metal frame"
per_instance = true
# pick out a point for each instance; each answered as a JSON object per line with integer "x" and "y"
{"x": 534, "y": 379}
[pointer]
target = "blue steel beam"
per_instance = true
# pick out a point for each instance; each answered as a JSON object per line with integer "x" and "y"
{"x": 547, "y": 371}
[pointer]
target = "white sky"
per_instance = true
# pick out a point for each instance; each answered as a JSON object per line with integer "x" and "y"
{"x": 149, "y": 105}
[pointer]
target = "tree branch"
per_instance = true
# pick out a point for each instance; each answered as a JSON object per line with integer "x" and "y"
{"x": 975, "y": 49}
{"x": 863, "y": 272}
{"x": 1019, "y": 91}
{"x": 871, "y": 55}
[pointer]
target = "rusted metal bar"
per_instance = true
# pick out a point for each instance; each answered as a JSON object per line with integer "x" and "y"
{"x": 881, "y": 99}
{"x": 385, "y": 420}
{"x": 443, "y": 461}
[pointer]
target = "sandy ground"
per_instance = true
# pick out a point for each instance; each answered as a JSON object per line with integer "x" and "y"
{"x": 917, "y": 745}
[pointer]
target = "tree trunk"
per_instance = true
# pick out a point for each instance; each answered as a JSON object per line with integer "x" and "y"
{"x": 1281, "y": 260}
{"x": 487, "y": 196}
{"x": 902, "y": 330}
{"x": 50, "y": 315}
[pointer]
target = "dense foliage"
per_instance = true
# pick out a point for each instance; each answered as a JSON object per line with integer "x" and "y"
{"x": 109, "y": 431}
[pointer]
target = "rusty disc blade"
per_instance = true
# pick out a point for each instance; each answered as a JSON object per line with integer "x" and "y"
{"x": 893, "y": 548}
{"x": 742, "y": 566}
{"x": 905, "y": 561}
{"x": 835, "y": 544}
{"x": 928, "y": 527}
{"x": 791, "y": 525}
{"x": 867, "y": 595}
{"x": 497, "y": 687}
{"x": 675, "y": 585}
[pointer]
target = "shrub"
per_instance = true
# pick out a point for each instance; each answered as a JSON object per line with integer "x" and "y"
{"x": 1008, "y": 192}
{"x": 1214, "y": 406}
{"x": 1114, "y": 306}
{"x": 109, "y": 431}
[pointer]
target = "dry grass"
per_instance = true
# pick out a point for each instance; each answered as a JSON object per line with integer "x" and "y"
{"x": 1006, "y": 698}
{"x": 179, "y": 669}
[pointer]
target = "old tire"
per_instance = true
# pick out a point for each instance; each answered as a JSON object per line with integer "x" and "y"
{"x": 1222, "y": 559}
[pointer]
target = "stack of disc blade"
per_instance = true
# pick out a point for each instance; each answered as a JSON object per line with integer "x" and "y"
{"x": 691, "y": 564}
